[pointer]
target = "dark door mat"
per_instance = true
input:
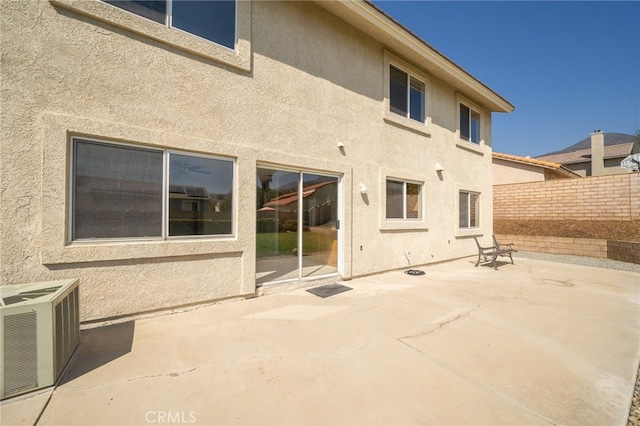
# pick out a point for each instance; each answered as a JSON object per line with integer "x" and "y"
{"x": 329, "y": 290}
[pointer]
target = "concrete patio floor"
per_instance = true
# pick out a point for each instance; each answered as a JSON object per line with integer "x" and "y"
{"x": 533, "y": 343}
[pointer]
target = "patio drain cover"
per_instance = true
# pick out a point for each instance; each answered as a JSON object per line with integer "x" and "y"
{"x": 329, "y": 290}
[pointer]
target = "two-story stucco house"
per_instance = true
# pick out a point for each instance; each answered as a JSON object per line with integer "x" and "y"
{"x": 168, "y": 153}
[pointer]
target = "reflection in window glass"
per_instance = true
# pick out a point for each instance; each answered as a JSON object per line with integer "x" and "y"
{"x": 413, "y": 201}
{"x": 117, "y": 191}
{"x": 406, "y": 95}
{"x": 469, "y": 124}
{"x": 156, "y": 10}
{"x": 403, "y": 200}
{"x": 474, "y": 211}
{"x": 398, "y": 91}
{"x": 475, "y": 127}
{"x": 469, "y": 209}
{"x": 212, "y": 20}
{"x": 417, "y": 100}
{"x": 464, "y": 122}
{"x": 200, "y": 195}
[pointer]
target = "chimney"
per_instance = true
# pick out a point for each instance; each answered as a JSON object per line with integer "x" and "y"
{"x": 597, "y": 153}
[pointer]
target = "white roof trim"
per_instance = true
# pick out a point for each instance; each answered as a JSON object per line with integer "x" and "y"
{"x": 374, "y": 22}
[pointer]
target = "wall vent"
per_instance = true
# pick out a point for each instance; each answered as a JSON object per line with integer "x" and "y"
{"x": 39, "y": 331}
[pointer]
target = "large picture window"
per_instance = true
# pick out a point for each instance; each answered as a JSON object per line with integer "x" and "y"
{"x": 406, "y": 94}
{"x": 212, "y": 20}
{"x": 469, "y": 124}
{"x": 403, "y": 200}
{"x": 122, "y": 191}
{"x": 469, "y": 207}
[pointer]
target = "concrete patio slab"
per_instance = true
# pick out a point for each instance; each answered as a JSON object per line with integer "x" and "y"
{"x": 532, "y": 343}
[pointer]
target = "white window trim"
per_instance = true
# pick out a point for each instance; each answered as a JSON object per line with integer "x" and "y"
{"x": 239, "y": 58}
{"x": 480, "y": 147}
{"x": 55, "y": 247}
{"x": 404, "y": 200}
{"x": 397, "y": 119}
{"x": 468, "y": 232}
{"x": 401, "y": 224}
{"x": 165, "y": 194}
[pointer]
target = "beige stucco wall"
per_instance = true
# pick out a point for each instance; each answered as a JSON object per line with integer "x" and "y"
{"x": 303, "y": 81}
{"x": 510, "y": 172}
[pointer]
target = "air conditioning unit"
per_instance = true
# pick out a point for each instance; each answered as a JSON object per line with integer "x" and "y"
{"x": 39, "y": 331}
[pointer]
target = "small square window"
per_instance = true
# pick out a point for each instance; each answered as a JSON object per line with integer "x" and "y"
{"x": 404, "y": 200}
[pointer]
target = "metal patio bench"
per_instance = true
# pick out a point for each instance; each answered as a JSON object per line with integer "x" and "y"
{"x": 504, "y": 249}
{"x": 490, "y": 254}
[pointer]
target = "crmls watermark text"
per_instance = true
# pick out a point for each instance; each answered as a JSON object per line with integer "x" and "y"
{"x": 170, "y": 417}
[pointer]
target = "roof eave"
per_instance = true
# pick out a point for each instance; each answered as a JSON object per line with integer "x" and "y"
{"x": 373, "y": 21}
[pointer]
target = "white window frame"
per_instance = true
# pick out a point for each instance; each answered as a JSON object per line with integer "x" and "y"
{"x": 400, "y": 225}
{"x": 404, "y": 122}
{"x": 468, "y": 212}
{"x": 476, "y": 148}
{"x": 471, "y": 112}
{"x": 165, "y": 193}
{"x": 404, "y": 200}
{"x": 410, "y": 77}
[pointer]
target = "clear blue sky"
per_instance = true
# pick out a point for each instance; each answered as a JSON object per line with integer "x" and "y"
{"x": 568, "y": 67}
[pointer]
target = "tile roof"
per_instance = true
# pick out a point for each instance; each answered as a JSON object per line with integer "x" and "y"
{"x": 289, "y": 198}
{"x": 535, "y": 162}
{"x": 526, "y": 160}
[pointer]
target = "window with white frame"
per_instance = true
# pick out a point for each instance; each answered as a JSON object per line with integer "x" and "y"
{"x": 469, "y": 207}
{"x": 212, "y": 20}
{"x": 469, "y": 124}
{"x": 406, "y": 94}
{"x": 404, "y": 200}
{"x": 124, "y": 191}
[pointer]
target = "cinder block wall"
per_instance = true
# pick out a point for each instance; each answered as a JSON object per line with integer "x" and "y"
{"x": 557, "y": 245}
{"x": 614, "y": 197}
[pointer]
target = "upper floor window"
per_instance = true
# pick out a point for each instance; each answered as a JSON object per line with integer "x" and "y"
{"x": 212, "y": 20}
{"x": 406, "y": 94}
{"x": 403, "y": 200}
{"x": 469, "y": 124}
{"x": 123, "y": 191}
{"x": 469, "y": 209}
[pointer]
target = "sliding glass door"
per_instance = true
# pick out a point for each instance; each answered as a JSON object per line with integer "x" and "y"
{"x": 297, "y": 225}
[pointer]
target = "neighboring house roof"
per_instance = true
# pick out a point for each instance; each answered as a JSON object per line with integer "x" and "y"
{"x": 289, "y": 198}
{"x": 535, "y": 162}
{"x": 584, "y": 155}
{"x": 373, "y": 21}
{"x": 610, "y": 138}
{"x": 188, "y": 192}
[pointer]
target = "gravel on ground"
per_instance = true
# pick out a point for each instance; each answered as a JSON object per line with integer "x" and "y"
{"x": 581, "y": 260}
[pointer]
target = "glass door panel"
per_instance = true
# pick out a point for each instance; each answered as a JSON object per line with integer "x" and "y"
{"x": 277, "y": 225}
{"x": 319, "y": 225}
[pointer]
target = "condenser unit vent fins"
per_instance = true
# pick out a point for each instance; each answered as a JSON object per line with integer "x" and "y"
{"x": 20, "y": 352}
